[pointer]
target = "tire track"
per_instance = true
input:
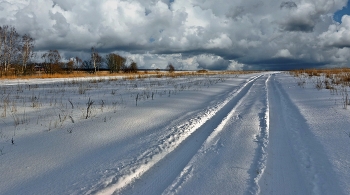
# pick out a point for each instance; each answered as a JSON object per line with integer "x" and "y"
{"x": 158, "y": 166}
{"x": 234, "y": 154}
{"x": 259, "y": 164}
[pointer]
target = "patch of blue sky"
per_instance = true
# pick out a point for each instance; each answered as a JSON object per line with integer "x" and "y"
{"x": 151, "y": 40}
{"x": 340, "y": 13}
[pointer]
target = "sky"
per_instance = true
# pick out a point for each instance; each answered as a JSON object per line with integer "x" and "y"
{"x": 191, "y": 34}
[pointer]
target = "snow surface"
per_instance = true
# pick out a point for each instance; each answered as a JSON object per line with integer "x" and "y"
{"x": 225, "y": 134}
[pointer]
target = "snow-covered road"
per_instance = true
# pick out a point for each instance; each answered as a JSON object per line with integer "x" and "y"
{"x": 251, "y": 134}
{"x": 232, "y": 158}
{"x": 219, "y": 128}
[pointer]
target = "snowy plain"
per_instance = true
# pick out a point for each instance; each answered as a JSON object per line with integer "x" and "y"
{"x": 255, "y": 133}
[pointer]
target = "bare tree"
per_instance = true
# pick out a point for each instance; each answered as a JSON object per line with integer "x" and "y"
{"x": 86, "y": 65}
{"x": 13, "y": 47}
{"x": 78, "y": 62}
{"x": 96, "y": 59}
{"x": 52, "y": 61}
{"x": 115, "y": 62}
{"x": 70, "y": 66}
{"x": 27, "y": 50}
{"x": 3, "y": 30}
{"x": 133, "y": 67}
{"x": 4, "y": 47}
{"x": 9, "y": 46}
{"x": 170, "y": 68}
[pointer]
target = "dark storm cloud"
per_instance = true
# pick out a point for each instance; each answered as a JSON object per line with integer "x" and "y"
{"x": 298, "y": 24}
{"x": 236, "y": 12}
{"x": 305, "y": 16}
{"x": 288, "y": 5}
{"x": 283, "y": 64}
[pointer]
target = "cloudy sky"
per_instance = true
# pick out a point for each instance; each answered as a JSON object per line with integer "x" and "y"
{"x": 190, "y": 34}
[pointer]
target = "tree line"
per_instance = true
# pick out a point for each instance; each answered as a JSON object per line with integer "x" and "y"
{"x": 17, "y": 53}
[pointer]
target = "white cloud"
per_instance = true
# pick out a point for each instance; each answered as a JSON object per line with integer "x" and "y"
{"x": 221, "y": 42}
{"x": 234, "y": 65}
{"x": 189, "y": 32}
{"x": 283, "y": 53}
{"x": 341, "y": 56}
{"x": 337, "y": 35}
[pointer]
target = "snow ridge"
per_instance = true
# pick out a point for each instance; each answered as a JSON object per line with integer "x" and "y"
{"x": 135, "y": 169}
{"x": 262, "y": 139}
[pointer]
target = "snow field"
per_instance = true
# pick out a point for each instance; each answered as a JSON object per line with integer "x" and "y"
{"x": 47, "y": 147}
{"x": 224, "y": 134}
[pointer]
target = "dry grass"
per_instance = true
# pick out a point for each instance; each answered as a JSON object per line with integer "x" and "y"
{"x": 318, "y": 72}
{"x": 336, "y": 80}
{"x": 129, "y": 76}
{"x": 75, "y": 74}
{"x": 337, "y": 76}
